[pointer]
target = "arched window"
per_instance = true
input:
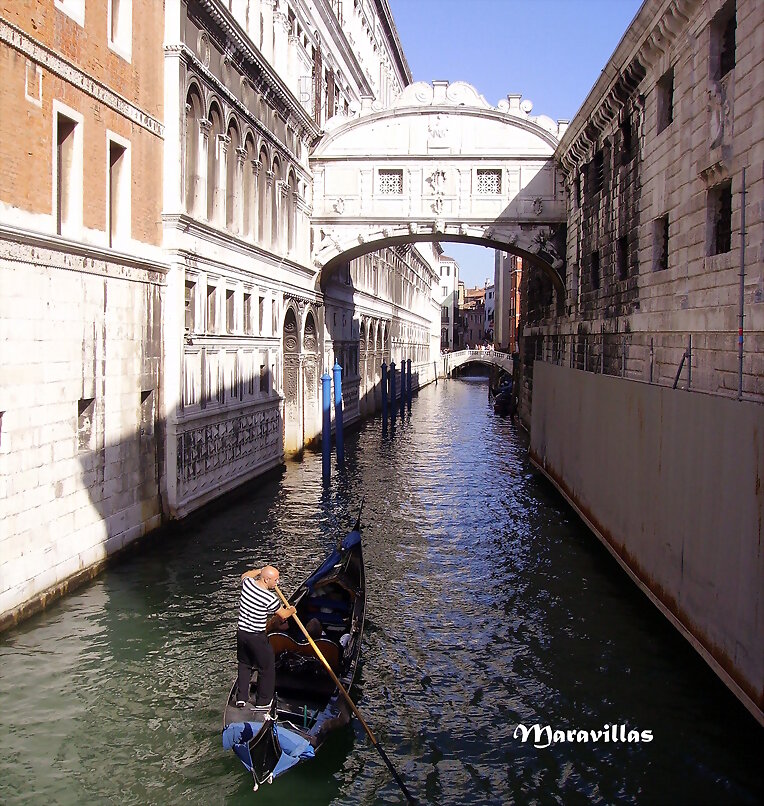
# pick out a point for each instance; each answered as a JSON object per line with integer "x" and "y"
{"x": 249, "y": 191}
{"x": 262, "y": 200}
{"x": 214, "y": 202}
{"x": 193, "y": 137}
{"x": 291, "y": 204}
{"x": 276, "y": 206}
{"x": 233, "y": 178}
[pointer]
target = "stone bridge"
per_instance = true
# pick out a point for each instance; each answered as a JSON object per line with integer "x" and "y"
{"x": 440, "y": 164}
{"x": 451, "y": 361}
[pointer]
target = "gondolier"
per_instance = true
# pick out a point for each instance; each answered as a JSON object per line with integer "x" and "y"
{"x": 253, "y": 651}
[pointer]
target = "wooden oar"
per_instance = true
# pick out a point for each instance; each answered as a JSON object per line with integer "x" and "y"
{"x": 409, "y": 797}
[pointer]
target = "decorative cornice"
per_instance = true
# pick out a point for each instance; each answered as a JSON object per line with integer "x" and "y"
{"x": 239, "y": 45}
{"x": 97, "y": 260}
{"x": 21, "y": 42}
{"x": 650, "y": 35}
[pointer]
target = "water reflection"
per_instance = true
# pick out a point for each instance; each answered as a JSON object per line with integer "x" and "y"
{"x": 489, "y": 605}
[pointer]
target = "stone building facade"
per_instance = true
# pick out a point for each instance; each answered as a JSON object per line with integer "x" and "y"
{"x": 164, "y": 329}
{"x": 249, "y": 87}
{"x": 643, "y": 382}
{"x": 82, "y": 289}
{"x": 654, "y": 165}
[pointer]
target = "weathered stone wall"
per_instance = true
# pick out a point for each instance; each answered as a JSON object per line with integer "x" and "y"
{"x": 81, "y": 448}
{"x": 682, "y": 514}
{"x": 621, "y": 300}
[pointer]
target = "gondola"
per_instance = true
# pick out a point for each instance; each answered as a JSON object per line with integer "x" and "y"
{"x": 307, "y": 706}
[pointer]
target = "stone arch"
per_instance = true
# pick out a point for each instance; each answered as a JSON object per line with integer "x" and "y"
{"x": 193, "y": 142}
{"x": 214, "y": 190}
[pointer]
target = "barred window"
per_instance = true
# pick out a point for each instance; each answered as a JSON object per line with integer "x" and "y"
{"x": 391, "y": 182}
{"x": 489, "y": 180}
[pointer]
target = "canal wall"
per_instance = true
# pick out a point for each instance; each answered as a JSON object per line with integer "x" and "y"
{"x": 671, "y": 483}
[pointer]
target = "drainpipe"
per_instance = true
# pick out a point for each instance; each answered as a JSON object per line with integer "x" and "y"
{"x": 742, "y": 294}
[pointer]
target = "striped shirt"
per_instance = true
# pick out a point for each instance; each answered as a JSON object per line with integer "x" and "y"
{"x": 257, "y": 605}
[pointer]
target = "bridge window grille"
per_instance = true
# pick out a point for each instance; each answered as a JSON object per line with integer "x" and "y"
{"x": 391, "y": 182}
{"x": 489, "y": 181}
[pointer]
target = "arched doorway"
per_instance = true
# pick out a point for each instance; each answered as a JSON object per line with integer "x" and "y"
{"x": 311, "y": 425}
{"x": 293, "y": 440}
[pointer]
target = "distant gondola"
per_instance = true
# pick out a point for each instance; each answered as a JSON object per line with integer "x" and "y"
{"x": 308, "y": 704}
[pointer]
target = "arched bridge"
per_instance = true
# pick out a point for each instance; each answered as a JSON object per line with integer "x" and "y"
{"x": 451, "y": 361}
{"x": 440, "y": 164}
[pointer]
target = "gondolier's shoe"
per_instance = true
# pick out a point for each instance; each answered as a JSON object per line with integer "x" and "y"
{"x": 240, "y": 703}
{"x": 261, "y": 710}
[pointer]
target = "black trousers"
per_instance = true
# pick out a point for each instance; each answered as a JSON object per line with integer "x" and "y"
{"x": 253, "y": 651}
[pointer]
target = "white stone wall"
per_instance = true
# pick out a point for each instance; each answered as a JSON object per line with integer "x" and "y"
{"x": 75, "y": 484}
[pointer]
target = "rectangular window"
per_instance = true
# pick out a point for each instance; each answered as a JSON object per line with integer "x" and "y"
{"x": 391, "y": 182}
{"x": 595, "y": 269}
{"x": 248, "y": 313}
{"x": 577, "y": 191}
{"x": 85, "y": 417}
{"x": 665, "y": 99}
{"x": 597, "y": 171}
{"x": 66, "y": 180}
{"x": 723, "y": 31}
{"x": 444, "y": 289}
{"x": 211, "y": 307}
{"x": 261, "y": 314}
{"x": 660, "y": 243}
{"x": 190, "y": 306}
{"x": 72, "y": 8}
{"x": 230, "y": 311}
{"x": 489, "y": 181}
{"x": 263, "y": 378}
{"x": 720, "y": 219}
{"x": 120, "y": 24}
{"x": 627, "y": 152}
{"x": 147, "y": 413}
{"x": 622, "y": 257}
{"x": 119, "y": 199}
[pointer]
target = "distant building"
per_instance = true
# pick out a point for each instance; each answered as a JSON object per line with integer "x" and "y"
{"x": 448, "y": 296}
{"x": 507, "y": 277}
{"x": 490, "y": 305}
{"x": 471, "y": 330}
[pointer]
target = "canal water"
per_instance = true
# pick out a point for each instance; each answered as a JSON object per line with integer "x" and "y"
{"x": 489, "y": 606}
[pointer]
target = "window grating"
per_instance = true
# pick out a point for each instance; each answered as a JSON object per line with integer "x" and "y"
{"x": 489, "y": 180}
{"x": 391, "y": 182}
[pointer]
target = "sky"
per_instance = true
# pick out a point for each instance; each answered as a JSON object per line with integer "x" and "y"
{"x": 551, "y": 51}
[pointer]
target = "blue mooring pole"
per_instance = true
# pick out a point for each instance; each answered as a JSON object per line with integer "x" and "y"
{"x": 408, "y": 383}
{"x": 384, "y": 395}
{"x": 392, "y": 391}
{"x": 338, "y": 437}
{"x": 326, "y": 431}
{"x": 403, "y": 387}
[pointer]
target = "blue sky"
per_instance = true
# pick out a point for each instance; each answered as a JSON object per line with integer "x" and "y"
{"x": 551, "y": 51}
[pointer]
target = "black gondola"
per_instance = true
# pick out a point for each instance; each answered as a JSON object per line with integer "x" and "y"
{"x": 308, "y": 704}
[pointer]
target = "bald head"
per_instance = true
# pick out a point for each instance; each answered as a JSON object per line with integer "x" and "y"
{"x": 269, "y": 576}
